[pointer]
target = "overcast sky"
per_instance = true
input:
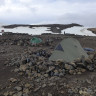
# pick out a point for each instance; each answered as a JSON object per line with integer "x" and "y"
{"x": 48, "y": 12}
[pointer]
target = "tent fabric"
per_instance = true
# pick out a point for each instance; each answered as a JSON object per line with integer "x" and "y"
{"x": 72, "y": 50}
{"x": 89, "y": 49}
{"x": 35, "y": 40}
{"x": 59, "y": 47}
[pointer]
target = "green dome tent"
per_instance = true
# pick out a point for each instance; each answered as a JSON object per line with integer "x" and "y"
{"x": 68, "y": 50}
{"x": 35, "y": 40}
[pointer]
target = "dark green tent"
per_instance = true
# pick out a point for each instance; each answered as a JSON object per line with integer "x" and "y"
{"x": 68, "y": 50}
{"x": 35, "y": 40}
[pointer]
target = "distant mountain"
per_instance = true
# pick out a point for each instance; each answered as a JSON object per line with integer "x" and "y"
{"x": 61, "y": 26}
{"x": 55, "y": 28}
{"x": 73, "y": 28}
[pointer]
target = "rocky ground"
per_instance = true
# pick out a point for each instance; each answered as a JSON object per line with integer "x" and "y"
{"x": 93, "y": 30}
{"x": 25, "y": 72}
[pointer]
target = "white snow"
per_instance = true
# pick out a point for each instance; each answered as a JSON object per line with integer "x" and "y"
{"x": 78, "y": 31}
{"x": 2, "y": 24}
{"x": 39, "y": 30}
{"x": 57, "y": 27}
{"x": 33, "y": 31}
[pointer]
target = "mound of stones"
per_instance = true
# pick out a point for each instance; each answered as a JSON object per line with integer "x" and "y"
{"x": 31, "y": 64}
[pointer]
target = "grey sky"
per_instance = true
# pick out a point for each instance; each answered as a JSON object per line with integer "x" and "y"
{"x": 48, "y": 11}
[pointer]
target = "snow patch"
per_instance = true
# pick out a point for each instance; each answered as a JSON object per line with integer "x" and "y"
{"x": 33, "y": 31}
{"x": 78, "y": 31}
{"x": 57, "y": 27}
{"x": 39, "y": 30}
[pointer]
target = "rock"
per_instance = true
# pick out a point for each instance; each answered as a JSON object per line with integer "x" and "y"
{"x": 11, "y": 93}
{"x": 16, "y": 63}
{"x": 95, "y": 62}
{"x": 56, "y": 73}
{"x": 59, "y": 61}
{"x": 59, "y": 70}
{"x": 71, "y": 71}
{"x": 38, "y": 80}
{"x": 16, "y": 70}
{"x": 28, "y": 71}
{"x": 79, "y": 73}
{"x": 23, "y": 67}
{"x": 88, "y": 81}
{"x": 19, "y": 94}
{"x": 39, "y": 75}
{"x": 28, "y": 60}
{"x": 26, "y": 90}
{"x": 81, "y": 65}
{"x": 20, "y": 43}
{"x": 91, "y": 56}
{"x": 68, "y": 67}
{"x": 62, "y": 92}
{"x": 83, "y": 70}
{"x": 6, "y": 93}
{"x": 21, "y": 73}
{"x": 70, "y": 91}
{"x": 13, "y": 80}
{"x": 2, "y": 51}
{"x": 49, "y": 94}
{"x": 73, "y": 64}
{"x": 50, "y": 69}
{"x": 15, "y": 95}
{"x": 41, "y": 59}
{"x": 84, "y": 93}
{"x": 51, "y": 73}
{"x": 25, "y": 95}
{"x": 36, "y": 89}
{"x": 46, "y": 75}
{"x": 83, "y": 59}
{"x": 27, "y": 85}
{"x": 43, "y": 93}
{"x": 90, "y": 67}
{"x": 30, "y": 75}
{"x": 35, "y": 74}
{"x": 30, "y": 64}
{"x": 24, "y": 61}
{"x": 78, "y": 60}
{"x": 88, "y": 60}
{"x": 52, "y": 84}
{"x": 61, "y": 74}
{"x": 18, "y": 88}
{"x": 63, "y": 71}
{"x": 44, "y": 85}
{"x": 42, "y": 67}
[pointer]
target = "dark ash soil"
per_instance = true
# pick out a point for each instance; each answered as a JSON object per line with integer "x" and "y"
{"x": 70, "y": 85}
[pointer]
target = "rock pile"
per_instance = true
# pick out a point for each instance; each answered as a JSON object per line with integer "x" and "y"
{"x": 33, "y": 65}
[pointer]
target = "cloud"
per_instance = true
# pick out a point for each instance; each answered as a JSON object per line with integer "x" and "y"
{"x": 78, "y": 18}
{"x": 48, "y": 11}
{"x": 2, "y": 2}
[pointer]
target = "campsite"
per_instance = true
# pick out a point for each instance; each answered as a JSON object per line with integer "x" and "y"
{"x": 47, "y": 65}
{"x": 47, "y": 47}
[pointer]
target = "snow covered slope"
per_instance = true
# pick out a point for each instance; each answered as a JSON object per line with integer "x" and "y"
{"x": 78, "y": 31}
{"x": 39, "y": 30}
{"x": 33, "y": 31}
